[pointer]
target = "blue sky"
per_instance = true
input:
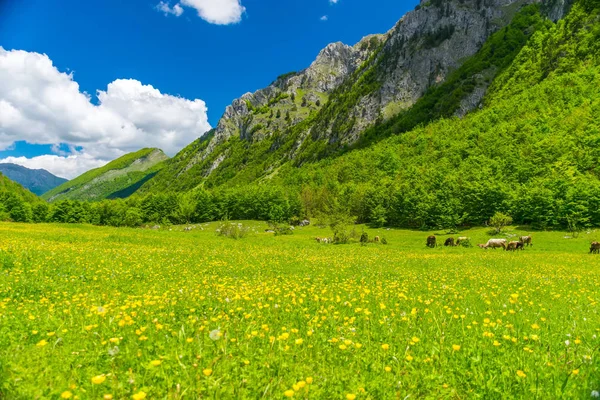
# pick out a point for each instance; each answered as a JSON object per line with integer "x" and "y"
{"x": 212, "y": 59}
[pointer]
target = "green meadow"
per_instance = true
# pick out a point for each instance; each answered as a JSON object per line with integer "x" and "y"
{"x": 107, "y": 313}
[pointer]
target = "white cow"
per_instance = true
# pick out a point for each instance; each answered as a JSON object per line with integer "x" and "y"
{"x": 494, "y": 243}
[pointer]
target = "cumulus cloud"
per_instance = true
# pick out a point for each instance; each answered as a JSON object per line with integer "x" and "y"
{"x": 68, "y": 167}
{"x": 333, "y": 1}
{"x": 324, "y": 18}
{"x": 219, "y": 12}
{"x": 41, "y": 105}
{"x": 176, "y": 10}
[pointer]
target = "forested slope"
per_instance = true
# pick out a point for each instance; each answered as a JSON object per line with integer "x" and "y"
{"x": 118, "y": 179}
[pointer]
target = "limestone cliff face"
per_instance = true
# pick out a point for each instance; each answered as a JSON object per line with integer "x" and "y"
{"x": 292, "y": 97}
{"x": 424, "y": 47}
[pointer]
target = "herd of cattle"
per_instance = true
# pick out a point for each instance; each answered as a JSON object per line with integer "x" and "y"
{"x": 524, "y": 241}
{"x": 492, "y": 243}
{"x": 496, "y": 243}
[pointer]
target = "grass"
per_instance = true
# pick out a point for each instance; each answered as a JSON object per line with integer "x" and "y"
{"x": 93, "y": 312}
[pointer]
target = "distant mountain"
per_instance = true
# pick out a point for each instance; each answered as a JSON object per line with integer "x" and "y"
{"x": 38, "y": 181}
{"x": 118, "y": 179}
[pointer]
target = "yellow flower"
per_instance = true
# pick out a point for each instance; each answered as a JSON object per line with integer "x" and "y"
{"x": 415, "y": 339}
{"x": 299, "y": 341}
{"x": 455, "y": 347}
{"x": 107, "y": 397}
{"x": 189, "y": 340}
{"x": 289, "y": 393}
{"x": 575, "y": 371}
{"x": 41, "y": 343}
{"x": 207, "y": 372}
{"x": 388, "y": 369}
{"x": 535, "y": 326}
{"x": 496, "y": 343}
{"x": 141, "y": 395}
{"x": 350, "y": 396}
{"x": 155, "y": 363}
{"x": 385, "y": 346}
{"x": 66, "y": 395}
{"x": 98, "y": 379}
{"x": 342, "y": 347}
{"x": 521, "y": 374}
{"x": 309, "y": 380}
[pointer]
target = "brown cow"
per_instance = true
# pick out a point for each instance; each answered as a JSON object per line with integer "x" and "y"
{"x": 595, "y": 248}
{"x": 449, "y": 242}
{"x": 431, "y": 241}
{"x": 512, "y": 246}
{"x": 376, "y": 239}
{"x": 526, "y": 240}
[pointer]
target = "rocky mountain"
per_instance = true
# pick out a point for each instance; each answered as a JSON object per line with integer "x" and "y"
{"x": 437, "y": 61}
{"x": 118, "y": 179}
{"x": 38, "y": 181}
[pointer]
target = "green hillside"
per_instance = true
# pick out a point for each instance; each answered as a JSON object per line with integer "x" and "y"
{"x": 532, "y": 151}
{"x": 19, "y": 204}
{"x": 117, "y": 179}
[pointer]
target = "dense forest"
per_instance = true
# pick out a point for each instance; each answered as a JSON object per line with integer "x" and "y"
{"x": 532, "y": 151}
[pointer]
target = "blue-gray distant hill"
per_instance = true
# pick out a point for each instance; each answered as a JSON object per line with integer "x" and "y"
{"x": 38, "y": 181}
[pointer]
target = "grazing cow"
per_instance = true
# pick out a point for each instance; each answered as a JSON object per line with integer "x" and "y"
{"x": 431, "y": 241}
{"x": 526, "y": 240}
{"x": 512, "y": 246}
{"x": 449, "y": 242}
{"x": 376, "y": 239}
{"x": 324, "y": 240}
{"x": 595, "y": 248}
{"x": 520, "y": 246}
{"x": 494, "y": 243}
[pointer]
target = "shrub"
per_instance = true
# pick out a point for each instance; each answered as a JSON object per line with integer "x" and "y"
{"x": 233, "y": 230}
{"x": 499, "y": 221}
{"x": 281, "y": 229}
{"x": 343, "y": 229}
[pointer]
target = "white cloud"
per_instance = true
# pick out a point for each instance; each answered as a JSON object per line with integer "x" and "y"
{"x": 219, "y": 12}
{"x": 333, "y": 1}
{"x": 68, "y": 167}
{"x": 324, "y": 18}
{"x": 42, "y": 105}
{"x": 176, "y": 10}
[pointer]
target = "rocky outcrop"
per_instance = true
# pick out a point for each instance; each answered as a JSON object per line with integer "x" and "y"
{"x": 296, "y": 93}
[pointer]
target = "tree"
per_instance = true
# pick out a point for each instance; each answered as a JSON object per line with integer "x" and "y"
{"x": 133, "y": 217}
{"x": 499, "y": 221}
{"x": 187, "y": 207}
{"x": 379, "y": 216}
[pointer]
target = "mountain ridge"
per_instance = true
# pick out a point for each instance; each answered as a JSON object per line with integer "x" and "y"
{"x": 38, "y": 181}
{"x": 296, "y": 119}
{"x": 113, "y": 179}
